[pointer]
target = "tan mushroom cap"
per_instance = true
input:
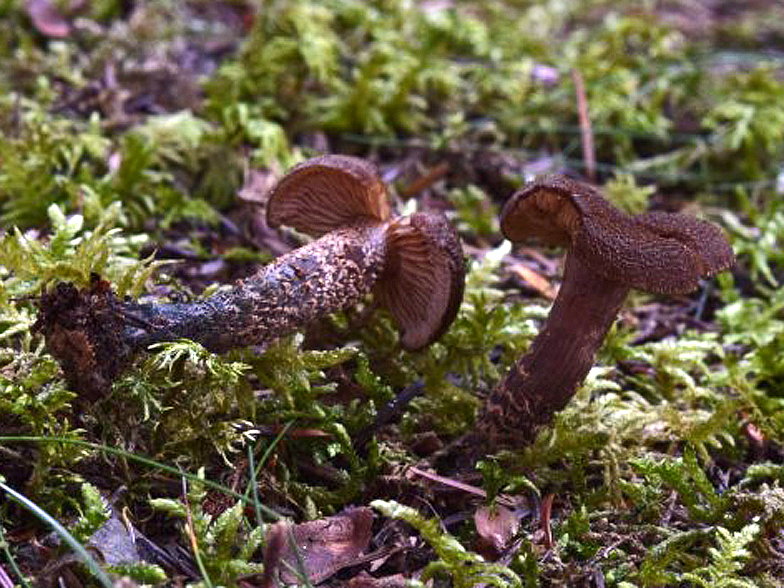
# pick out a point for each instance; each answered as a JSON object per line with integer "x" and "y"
{"x": 658, "y": 252}
{"x": 423, "y": 281}
{"x": 327, "y": 193}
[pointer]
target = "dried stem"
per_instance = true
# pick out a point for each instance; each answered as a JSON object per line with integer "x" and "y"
{"x": 586, "y": 134}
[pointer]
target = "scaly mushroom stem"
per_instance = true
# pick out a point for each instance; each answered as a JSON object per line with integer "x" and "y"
{"x": 545, "y": 379}
{"x": 327, "y": 275}
{"x": 94, "y": 335}
{"x": 413, "y": 264}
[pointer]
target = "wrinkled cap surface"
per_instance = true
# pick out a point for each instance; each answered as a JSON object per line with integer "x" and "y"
{"x": 658, "y": 252}
{"x": 326, "y": 193}
{"x": 423, "y": 281}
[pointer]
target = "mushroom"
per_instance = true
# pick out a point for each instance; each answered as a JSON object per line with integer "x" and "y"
{"x": 609, "y": 253}
{"x": 414, "y": 264}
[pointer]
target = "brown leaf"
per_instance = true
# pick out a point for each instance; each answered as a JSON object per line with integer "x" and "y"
{"x": 544, "y": 519}
{"x": 47, "y": 20}
{"x": 496, "y": 526}
{"x": 534, "y": 280}
{"x": 365, "y": 580}
{"x": 324, "y": 546}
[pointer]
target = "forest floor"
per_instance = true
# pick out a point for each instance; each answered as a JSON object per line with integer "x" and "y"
{"x": 138, "y": 144}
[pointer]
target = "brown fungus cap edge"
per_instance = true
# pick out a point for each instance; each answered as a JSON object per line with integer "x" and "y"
{"x": 665, "y": 253}
{"x": 326, "y": 193}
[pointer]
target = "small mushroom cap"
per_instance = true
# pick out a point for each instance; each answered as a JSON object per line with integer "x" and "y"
{"x": 423, "y": 281}
{"x": 658, "y": 252}
{"x": 326, "y": 193}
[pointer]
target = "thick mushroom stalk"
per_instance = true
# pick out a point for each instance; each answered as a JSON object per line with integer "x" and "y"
{"x": 609, "y": 253}
{"x": 414, "y": 264}
{"x": 324, "y": 276}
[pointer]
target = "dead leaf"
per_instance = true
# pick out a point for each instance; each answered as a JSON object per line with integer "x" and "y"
{"x": 365, "y": 580}
{"x": 496, "y": 526}
{"x": 534, "y": 280}
{"x": 115, "y": 540}
{"x": 324, "y": 546}
{"x": 47, "y": 20}
{"x": 544, "y": 519}
{"x": 257, "y": 185}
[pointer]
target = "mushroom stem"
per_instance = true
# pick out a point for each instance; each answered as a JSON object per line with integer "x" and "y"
{"x": 94, "y": 335}
{"x": 327, "y": 275}
{"x": 545, "y": 379}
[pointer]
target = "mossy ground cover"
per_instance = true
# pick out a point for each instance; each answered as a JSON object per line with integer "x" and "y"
{"x": 137, "y": 140}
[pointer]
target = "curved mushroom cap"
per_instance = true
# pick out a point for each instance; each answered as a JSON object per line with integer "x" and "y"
{"x": 326, "y": 193}
{"x": 423, "y": 281}
{"x": 658, "y": 252}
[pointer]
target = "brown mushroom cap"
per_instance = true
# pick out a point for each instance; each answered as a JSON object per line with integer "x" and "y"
{"x": 657, "y": 252}
{"x": 423, "y": 281}
{"x": 327, "y": 193}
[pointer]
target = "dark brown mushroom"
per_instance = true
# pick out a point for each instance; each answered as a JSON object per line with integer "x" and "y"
{"x": 414, "y": 264}
{"x": 609, "y": 253}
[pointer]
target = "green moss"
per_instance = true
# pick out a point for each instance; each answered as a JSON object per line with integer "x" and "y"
{"x": 666, "y": 442}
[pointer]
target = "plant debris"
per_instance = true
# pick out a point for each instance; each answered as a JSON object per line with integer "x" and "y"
{"x": 318, "y": 548}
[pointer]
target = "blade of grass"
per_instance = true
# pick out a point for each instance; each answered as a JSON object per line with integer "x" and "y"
{"x": 192, "y": 535}
{"x": 143, "y": 460}
{"x": 5, "y": 579}
{"x": 253, "y": 488}
{"x": 254, "y": 470}
{"x": 300, "y": 571}
{"x": 62, "y": 532}
{"x": 11, "y": 561}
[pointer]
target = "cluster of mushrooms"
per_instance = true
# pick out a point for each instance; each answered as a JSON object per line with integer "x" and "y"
{"x": 413, "y": 265}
